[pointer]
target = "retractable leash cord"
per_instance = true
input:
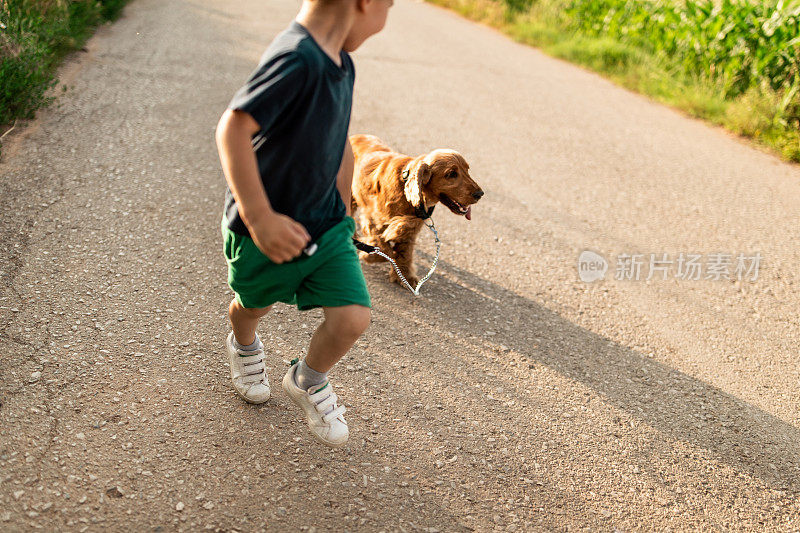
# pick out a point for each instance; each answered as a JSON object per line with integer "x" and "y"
{"x": 375, "y": 250}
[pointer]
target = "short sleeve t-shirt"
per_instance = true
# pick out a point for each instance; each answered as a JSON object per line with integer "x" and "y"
{"x": 301, "y": 100}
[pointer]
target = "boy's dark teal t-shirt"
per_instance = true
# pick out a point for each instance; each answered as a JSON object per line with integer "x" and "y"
{"x": 302, "y": 101}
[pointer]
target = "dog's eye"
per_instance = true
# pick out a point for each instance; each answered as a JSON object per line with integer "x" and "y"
{"x": 451, "y": 174}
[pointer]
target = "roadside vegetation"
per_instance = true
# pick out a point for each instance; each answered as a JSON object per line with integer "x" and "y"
{"x": 34, "y": 36}
{"x": 734, "y": 63}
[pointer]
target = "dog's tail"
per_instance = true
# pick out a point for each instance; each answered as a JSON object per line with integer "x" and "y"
{"x": 364, "y": 144}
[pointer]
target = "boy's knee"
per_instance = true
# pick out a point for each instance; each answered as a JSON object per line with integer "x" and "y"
{"x": 258, "y": 312}
{"x": 353, "y": 321}
{"x": 361, "y": 319}
{"x": 250, "y": 312}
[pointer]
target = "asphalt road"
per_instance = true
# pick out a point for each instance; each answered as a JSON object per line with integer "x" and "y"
{"x": 510, "y": 396}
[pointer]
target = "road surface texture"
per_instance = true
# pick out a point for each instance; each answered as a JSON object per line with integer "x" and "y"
{"x": 509, "y": 396}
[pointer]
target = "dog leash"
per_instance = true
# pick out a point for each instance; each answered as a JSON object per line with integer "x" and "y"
{"x": 375, "y": 250}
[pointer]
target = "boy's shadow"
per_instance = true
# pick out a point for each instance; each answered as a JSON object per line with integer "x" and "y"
{"x": 684, "y": 408}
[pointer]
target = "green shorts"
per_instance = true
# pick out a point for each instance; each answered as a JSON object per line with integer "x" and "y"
{"x": 331, "y": 277}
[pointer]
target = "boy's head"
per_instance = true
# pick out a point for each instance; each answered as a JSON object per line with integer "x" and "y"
{"x": 366, "y": 17}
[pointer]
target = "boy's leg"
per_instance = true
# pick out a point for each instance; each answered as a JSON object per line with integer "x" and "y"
{"x": 336, "y": 335}
{"x": 244, "y": 321}
{"x": 246, "y": 353}
{"x": 333, "y": 338}
{"x": 334, "y": 281}
{"x": 311, "y": 390}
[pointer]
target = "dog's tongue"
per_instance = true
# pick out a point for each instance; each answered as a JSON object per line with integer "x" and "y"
{"x": 468, "y": 214}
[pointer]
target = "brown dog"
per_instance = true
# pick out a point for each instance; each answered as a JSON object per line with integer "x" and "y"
{"x": 395, "y": 193}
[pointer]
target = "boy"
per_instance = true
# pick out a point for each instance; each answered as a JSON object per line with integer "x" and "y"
{"x": 287, "y": 226}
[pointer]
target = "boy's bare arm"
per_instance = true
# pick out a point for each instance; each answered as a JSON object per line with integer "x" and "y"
{"x": 279, "y": 237}
{"x": 344, "y": 180}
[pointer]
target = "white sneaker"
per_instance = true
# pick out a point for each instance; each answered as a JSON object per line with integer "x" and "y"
{"x": 325, "y": 417}
{"x": 248, "y": 372}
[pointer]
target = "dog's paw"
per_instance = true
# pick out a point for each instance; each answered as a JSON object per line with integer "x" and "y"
{"x": 370, "y": 258}
{"x": 412, "y": 280}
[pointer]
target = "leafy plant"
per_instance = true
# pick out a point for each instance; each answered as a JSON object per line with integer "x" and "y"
{"x": 736, "y": 62}
{"x": 34, "y": 36}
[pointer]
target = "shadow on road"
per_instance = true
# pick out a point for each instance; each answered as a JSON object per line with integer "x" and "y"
{"x": 684, "y": 408}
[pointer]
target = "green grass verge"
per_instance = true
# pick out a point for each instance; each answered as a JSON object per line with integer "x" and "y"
{"x": 35, "y": 35}
{"x": 734, "y": 64}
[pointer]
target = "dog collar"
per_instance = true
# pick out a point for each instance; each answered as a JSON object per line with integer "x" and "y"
{"x": 419, "y": 211}
{"x": 422, "y": 213}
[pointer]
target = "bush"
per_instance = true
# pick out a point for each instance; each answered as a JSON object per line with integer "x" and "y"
{"x": 740, "y": 44}
{"x": 750, "y": 50}
{"x": 34, "y": 36}
{"x": 518, "y": 6}
{"x": 734, "y": 62}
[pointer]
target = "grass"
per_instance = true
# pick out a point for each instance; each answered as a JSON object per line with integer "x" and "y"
{"x": 35, "y": 35}
{"x": 736, "y": 64}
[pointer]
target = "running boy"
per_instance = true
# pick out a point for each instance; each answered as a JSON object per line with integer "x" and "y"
{"x": 287, "y": 225}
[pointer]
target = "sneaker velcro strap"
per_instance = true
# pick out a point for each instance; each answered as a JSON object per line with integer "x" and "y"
{"x": 257, "y": 367}
{"x": 251, "y": 359}
{"x": 253, "y": 378}
{"x": 333, "y": 414}
{"x": 326, "y": 404}
{"x": 322, "y": 392}
{"x": 254, "y": 373}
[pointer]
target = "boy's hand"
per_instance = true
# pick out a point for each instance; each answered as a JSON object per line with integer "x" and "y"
{"x": 279, "y": 237}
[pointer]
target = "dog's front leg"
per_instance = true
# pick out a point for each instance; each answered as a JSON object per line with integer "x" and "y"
{"x": 403, "y": 232}
{"x": 404, "y": 257}
{"x": 371, "y": 234}
{"x": 380, "y": 243}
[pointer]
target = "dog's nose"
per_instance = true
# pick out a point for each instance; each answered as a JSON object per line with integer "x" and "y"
{"x": 477, "y": 194}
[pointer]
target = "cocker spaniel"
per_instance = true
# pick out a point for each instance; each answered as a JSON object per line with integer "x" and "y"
{"x": 395, "y": 193}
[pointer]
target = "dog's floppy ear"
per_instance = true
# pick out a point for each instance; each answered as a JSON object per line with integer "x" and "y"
{"x": 418, "y": 176}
